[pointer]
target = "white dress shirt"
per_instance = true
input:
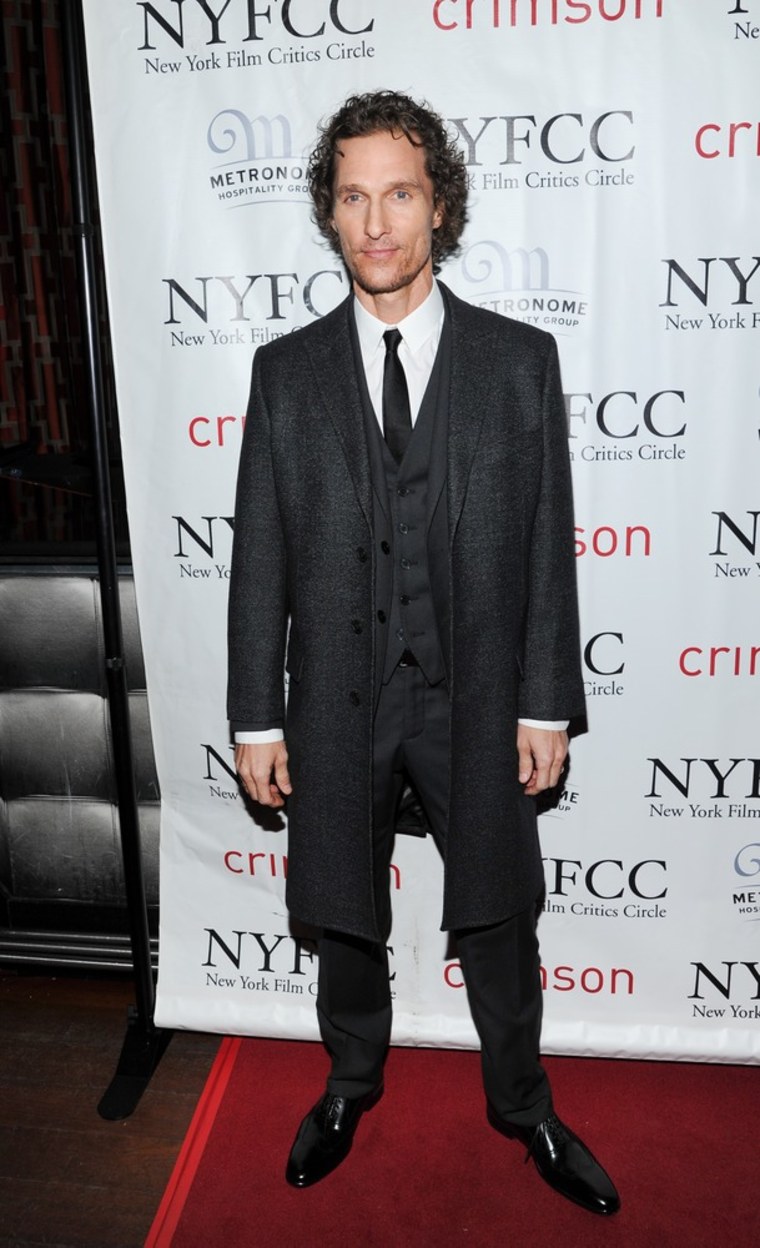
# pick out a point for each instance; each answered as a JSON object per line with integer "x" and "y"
{"x": 420, "y": 334}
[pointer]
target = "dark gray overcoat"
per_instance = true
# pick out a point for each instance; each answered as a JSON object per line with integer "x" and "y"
{"x": 304, "y": 551}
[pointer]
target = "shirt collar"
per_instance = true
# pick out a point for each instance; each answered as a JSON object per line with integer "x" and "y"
{"x": 415, "y": 328}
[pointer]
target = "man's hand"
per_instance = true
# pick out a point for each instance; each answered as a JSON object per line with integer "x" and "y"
{"x": 263, "y": 770}
{"x": 541, "y": 753}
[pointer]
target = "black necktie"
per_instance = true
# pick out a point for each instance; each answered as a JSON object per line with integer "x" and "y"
{"x": 397, "y": 418}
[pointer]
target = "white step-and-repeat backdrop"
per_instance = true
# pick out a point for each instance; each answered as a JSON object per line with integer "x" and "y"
{"x": 613, "y": 150}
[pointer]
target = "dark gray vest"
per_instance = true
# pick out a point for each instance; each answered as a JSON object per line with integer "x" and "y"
{"x": 411, "y": 531}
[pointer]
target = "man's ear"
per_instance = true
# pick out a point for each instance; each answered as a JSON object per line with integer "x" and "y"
{"x": 438, "y": 215}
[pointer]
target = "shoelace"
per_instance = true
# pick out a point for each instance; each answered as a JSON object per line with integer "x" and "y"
{"x": 331, "y": 1110}
{"x": 556, "y": 1128}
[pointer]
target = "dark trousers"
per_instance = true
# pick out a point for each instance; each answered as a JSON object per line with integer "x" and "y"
{"x": 499, "y": 963}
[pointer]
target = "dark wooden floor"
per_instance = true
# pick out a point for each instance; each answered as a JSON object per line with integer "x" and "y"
{"x": 68, "y": 1179}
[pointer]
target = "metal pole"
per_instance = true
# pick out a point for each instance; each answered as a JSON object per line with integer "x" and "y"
{"x": 143, "y": 1045}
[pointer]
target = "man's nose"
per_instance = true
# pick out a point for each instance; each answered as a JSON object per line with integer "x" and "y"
{"x": 376, "y": 223}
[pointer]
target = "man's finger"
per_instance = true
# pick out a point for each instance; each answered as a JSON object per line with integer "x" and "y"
{"x": 262, "y": 790}
{"x": 540, "y": 776}
{"x": 556, "y": 769}
{"x": 282, "y": 775}
{"x": 525, "y": 762}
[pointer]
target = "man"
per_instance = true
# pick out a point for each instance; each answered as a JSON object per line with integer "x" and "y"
{"x": 404, "y": 503}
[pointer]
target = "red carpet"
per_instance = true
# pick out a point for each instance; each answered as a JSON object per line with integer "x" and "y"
{"x": 426, "y": 1170}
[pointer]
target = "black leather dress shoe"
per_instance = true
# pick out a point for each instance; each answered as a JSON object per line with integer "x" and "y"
{"x": 564, "y": 1162}
{"x": 325, "y": 1137}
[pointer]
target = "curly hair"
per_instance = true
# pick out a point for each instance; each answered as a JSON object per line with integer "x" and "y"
{"x": 390, "y": 111}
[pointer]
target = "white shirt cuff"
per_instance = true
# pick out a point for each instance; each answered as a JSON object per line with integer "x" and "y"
{"x": 548, "y": 725}
{"x": 263, "y": 737}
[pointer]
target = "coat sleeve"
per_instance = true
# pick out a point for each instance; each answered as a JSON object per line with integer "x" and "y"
{"x": 258, "y": 610}
{"x": 552, "y": 685}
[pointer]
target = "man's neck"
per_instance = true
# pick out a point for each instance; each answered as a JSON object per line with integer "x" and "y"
{"x": 392, "y": 307}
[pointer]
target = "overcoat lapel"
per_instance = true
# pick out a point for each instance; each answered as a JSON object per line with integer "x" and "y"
{"x": 371, "y": 427}
{"x": 332, "y": 360}
{"x": 470, "y": 394}
{"x": 439, "y": 448}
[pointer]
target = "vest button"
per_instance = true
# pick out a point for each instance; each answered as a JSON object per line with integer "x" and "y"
{"x": 403, "y": 528}
{"x": 405, "y": 563}
{"x": 382, "y": 617}
{"x": 402, "y": 491}
{"x": 356, "y": 626}
{"x": 405, "y": 600}
{"x": 385, "y": 548}
{"x": 361, "y": 554}
{"x": 354, "y": 698}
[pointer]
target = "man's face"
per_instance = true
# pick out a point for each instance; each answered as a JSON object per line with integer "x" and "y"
{"x": 384, "y": 213}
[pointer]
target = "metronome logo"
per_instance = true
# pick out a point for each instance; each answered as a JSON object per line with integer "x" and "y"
{"x": 518, "y": 283}
{"x": 259, "y": 165}
{"x": 745, "y": 891}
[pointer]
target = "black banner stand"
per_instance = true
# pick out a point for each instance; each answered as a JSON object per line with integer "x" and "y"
{"x": 144, "y": 1044}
